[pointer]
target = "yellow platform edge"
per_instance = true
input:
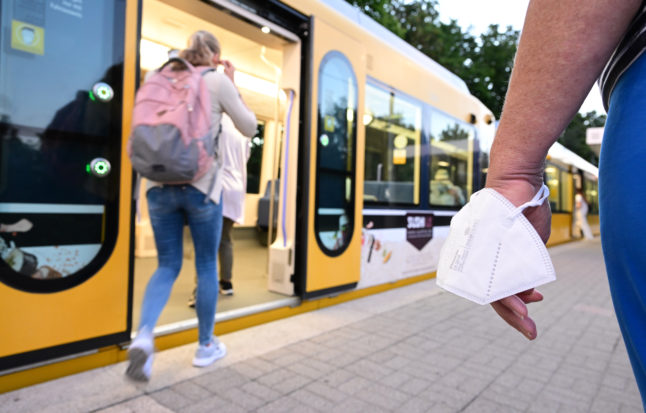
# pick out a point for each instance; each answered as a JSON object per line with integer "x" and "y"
{"x": 114, "y": 354}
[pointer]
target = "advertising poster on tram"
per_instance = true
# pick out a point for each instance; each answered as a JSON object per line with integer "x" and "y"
{"x": 398, "y": 245}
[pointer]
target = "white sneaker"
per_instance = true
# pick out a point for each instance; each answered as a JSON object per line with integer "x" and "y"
{"x": 140, "y": 354}
{"x": 207, "y": 354}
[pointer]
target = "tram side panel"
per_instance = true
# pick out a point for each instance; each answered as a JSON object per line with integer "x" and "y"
{"x": 334, "y": 199}
{"x": 66, "y": 284}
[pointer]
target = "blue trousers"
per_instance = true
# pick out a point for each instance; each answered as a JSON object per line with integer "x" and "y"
{"x": 168, "y": 207}
{"x": 622, "y": 209}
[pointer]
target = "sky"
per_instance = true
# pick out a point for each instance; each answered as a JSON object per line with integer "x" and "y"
{"x": 480, "y": 14}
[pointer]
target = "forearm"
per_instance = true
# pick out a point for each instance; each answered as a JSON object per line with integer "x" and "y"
{"x": 563, "y": 48}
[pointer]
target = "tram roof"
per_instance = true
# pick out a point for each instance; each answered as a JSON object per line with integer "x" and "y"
{"x": 561, "y": 153}
{"x": 363, "y": 21}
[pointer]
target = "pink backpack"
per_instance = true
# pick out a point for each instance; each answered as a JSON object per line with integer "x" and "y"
{"x": 172, "y": 140}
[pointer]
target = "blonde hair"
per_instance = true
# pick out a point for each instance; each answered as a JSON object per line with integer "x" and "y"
{"x": 202, "y": 45}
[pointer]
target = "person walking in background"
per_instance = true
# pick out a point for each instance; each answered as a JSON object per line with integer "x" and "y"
{"x": 171, "y": 205}
{"x": 581, "y": 225}
{"x": 564, "y": 47}
{"x": 235, "y": 152}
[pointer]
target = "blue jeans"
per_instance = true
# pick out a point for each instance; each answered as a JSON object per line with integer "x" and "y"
{"x": 169, "y": 207}
{"x": 622, "y": 196}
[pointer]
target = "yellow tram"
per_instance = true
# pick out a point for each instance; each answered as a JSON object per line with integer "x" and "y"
{"x": 365, "y": 149}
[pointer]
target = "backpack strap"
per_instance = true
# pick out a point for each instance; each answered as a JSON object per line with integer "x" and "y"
{"x": 135, "y": 196}
{"x": 217, "y": 161}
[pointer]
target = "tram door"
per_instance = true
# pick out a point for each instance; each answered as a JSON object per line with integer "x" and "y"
{"x": 64, "y": 181}
{"x": 334, "y": 221}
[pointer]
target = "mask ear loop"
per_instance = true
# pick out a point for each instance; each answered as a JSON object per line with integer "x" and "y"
{"x": 538, "y": 200}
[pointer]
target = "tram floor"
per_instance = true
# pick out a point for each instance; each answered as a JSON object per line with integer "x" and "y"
{"x": 249, "y": 280}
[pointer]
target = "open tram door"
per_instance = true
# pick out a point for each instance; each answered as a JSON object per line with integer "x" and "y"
{"x": 66, "y": 79}
{"x": 331, "y": 230}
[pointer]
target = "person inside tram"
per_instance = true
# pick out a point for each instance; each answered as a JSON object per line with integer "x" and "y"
{"x": 565, "y": 47}
{"x": 581, "y": 226}
{"x": 235, "y": 152}
{"x": 170, "y": 205}
{"x": 444, "y": 192}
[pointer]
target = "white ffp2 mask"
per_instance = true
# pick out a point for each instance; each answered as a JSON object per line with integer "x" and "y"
{"x": 492, "y": 251}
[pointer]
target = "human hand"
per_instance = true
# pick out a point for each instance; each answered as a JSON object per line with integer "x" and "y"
{"x": 513, "y": 309}
{"x": 229, "y": 69}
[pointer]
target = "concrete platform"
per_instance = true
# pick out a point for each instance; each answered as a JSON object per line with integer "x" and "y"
{"x": 414, "y": 349}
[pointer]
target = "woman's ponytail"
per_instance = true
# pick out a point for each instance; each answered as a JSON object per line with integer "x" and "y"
{"x": 202, "y": 45}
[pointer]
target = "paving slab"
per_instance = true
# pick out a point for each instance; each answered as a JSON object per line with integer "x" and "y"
{"x": 413, "y": 349}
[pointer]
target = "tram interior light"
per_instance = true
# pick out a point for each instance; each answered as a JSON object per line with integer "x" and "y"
{"x": 154, "y": 54}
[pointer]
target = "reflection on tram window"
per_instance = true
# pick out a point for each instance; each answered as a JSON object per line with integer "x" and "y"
{"x": 254, "y": 164}
{"x": 451, "y": 161}
{"x": 552, "y": 179}
{"x": 336, "y": 127}
{"x": 393, "y": 147}
{"x": 60, "y": 110}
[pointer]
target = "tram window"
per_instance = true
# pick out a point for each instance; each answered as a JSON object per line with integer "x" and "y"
{"x": 552, "y": 178}
{"x": 60, "y": 110}
{"x": 336, "y": 127}
{"x": 592, "y": 195}
{"x": 254, "y": 164}
{"x": 393, "y": 149}
{"x": 451, "y": 161}
{"x": 485, "y": 139}
{"x": 567, "y": 191}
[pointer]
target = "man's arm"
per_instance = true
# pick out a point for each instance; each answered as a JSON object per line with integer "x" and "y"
{"x": 563, "y": 48}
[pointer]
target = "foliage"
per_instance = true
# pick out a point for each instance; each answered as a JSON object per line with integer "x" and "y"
{"x": 454, "y": 133}
{"x": 490, "y": 65}
{"x": 573, "y": 137}
{"x": 381, "y": 11}
{"x": 484, "y": 62}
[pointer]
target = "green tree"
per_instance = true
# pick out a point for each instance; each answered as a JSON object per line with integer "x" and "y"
{"x": 454, "y": 133}
{"x": 484, "y": 62}
{"x": 489, "y": 66}
{"x": 382, "y": 11}
{"x": 573, "y": 137}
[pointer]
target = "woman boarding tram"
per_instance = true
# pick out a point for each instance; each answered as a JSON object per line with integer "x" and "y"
{"x": 370, "y": 167}
{"x": 170, "y": 205}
